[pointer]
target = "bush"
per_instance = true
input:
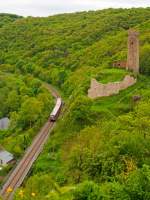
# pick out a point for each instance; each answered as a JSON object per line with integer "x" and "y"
{"x": 145, "y": 60}
{"x": 86, "y": 191}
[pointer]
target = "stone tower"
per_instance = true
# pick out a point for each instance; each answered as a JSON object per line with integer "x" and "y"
{"x": 133, "y": 51}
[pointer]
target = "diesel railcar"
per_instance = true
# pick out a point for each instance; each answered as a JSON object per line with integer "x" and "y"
{"x": 54, "y": 114}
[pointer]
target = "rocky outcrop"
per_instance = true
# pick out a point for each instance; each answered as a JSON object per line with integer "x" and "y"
{"x": 101, "y": 90}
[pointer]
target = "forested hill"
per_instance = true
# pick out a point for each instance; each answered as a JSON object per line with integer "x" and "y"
{"x": 100, "y": 148}
{"x": 5, "y": 19}
{"x": 66, "y": 40}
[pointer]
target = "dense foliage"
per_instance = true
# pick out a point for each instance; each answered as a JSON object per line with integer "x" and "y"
{"x": 5, "y": 19}
{"x": 26, "y": 102}
{"x": 100, "y": 148}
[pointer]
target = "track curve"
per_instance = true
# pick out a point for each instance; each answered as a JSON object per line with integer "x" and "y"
{"x": 18, "y": 175}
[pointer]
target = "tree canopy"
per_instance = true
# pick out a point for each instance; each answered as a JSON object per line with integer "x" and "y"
{"x": 99, "y": 149}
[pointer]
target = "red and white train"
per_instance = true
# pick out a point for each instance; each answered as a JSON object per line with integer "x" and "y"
{"x": 55, "y": 113}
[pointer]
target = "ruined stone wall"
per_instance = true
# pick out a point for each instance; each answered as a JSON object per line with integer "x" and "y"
{"x": 101, "y": 90}
{"x": 120, "y": 64}
{"x": 132, "y": 62}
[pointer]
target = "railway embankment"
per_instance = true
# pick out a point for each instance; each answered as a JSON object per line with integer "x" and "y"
{"x": 23, "y": 167}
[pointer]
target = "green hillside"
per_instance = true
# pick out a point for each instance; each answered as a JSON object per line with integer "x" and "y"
{"x": 5, "y": 19}
{"x": 99, "y": 149}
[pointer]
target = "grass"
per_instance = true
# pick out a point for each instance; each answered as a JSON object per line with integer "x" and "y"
{"x": 111, "y": 75}
{"x": 122, "y": 102}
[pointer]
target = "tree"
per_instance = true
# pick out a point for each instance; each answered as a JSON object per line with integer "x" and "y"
{"x": 145, "y": 60}
{"x": 81, "y": 111}
{"x": 13, "y": 101}
{"x": 138, "y": 184}
{"x": 87, "y": 191}
{"x": 30, "y": 112}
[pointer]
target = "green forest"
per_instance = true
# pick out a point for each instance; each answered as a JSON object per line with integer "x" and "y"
{"x": 99, "y": 149}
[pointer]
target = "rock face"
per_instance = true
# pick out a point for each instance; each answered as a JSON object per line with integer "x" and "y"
{"x": 4, "y": 123}
{"x": 101, "y": 90}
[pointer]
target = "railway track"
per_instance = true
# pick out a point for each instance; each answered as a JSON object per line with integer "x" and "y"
{"x": 20, "y": 172}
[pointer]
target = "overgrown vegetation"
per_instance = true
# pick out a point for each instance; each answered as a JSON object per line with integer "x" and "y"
{"x": 100, "y": 148}
{"x": 27, "y": 104}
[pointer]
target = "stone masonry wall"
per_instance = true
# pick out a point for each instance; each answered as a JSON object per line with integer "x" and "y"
{"x": 100, "y": 90}
{"x": 133, "y": 51}
{"x": 132, "y": 62}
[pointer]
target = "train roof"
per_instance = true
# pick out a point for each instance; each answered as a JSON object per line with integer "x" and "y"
{"x": 57, "y": 106}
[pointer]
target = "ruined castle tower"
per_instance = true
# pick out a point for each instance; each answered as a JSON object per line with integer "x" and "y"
{"x": 133, "y": 51}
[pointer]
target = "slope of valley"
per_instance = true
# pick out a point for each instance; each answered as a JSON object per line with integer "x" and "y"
{"x": 99, "y": 149}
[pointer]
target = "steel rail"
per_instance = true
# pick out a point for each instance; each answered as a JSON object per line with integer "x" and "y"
{"x": 20, "y": 172}
{"x": 23, "y": 167}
